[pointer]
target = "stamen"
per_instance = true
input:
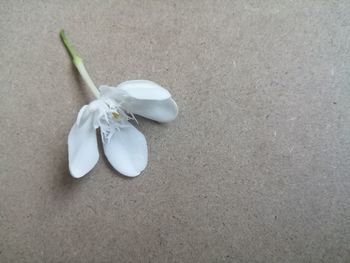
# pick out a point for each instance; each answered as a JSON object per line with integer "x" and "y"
{"x": 112, "y": 119}
{"x": 115, "y": 114}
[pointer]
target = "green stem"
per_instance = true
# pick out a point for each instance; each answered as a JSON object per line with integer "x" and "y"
{"x": 78, "y": 62}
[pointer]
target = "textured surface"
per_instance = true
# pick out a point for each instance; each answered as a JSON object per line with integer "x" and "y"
{"x": 255, "y": 168}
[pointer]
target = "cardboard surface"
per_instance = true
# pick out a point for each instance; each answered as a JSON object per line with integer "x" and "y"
{"x": 255, "y": 168}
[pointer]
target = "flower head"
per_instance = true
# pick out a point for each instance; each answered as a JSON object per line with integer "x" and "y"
{"x": 124, "y": 146}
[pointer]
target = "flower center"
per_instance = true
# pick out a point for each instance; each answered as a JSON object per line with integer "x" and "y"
{"x": 112, "y": 119}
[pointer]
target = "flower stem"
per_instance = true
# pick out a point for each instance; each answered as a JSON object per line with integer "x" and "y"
{"x": 78, "y": 62}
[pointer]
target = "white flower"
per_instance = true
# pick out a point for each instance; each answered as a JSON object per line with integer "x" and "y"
{"x": 124, "y": 146}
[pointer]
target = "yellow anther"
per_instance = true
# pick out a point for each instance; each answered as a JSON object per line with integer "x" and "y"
{"x": 115, "y": 115}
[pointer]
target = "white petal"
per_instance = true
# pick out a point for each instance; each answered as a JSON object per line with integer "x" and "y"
{"x": 83, "y": 115}
{"x": 82, "y": 148}
{"x": 161, "y": 111}
{"x": 144, "y": 90}
{"x": 148, "y": 99}
{"x": 95, "y": 110}
{"x": 127, "y": 151}
{"x": 112, "y": 92}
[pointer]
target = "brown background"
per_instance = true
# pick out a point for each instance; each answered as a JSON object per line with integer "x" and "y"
{"x": 255, "y": 169}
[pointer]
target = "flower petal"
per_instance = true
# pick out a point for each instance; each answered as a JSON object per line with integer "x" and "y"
{"x": 148, "y": 99}
{"x": 161, "y": 111}
{"x": 112, "y": 92}
{"x": 127, "y": 151}
{"x": 144, "y": 90}
{"x": 82, "y": 148}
